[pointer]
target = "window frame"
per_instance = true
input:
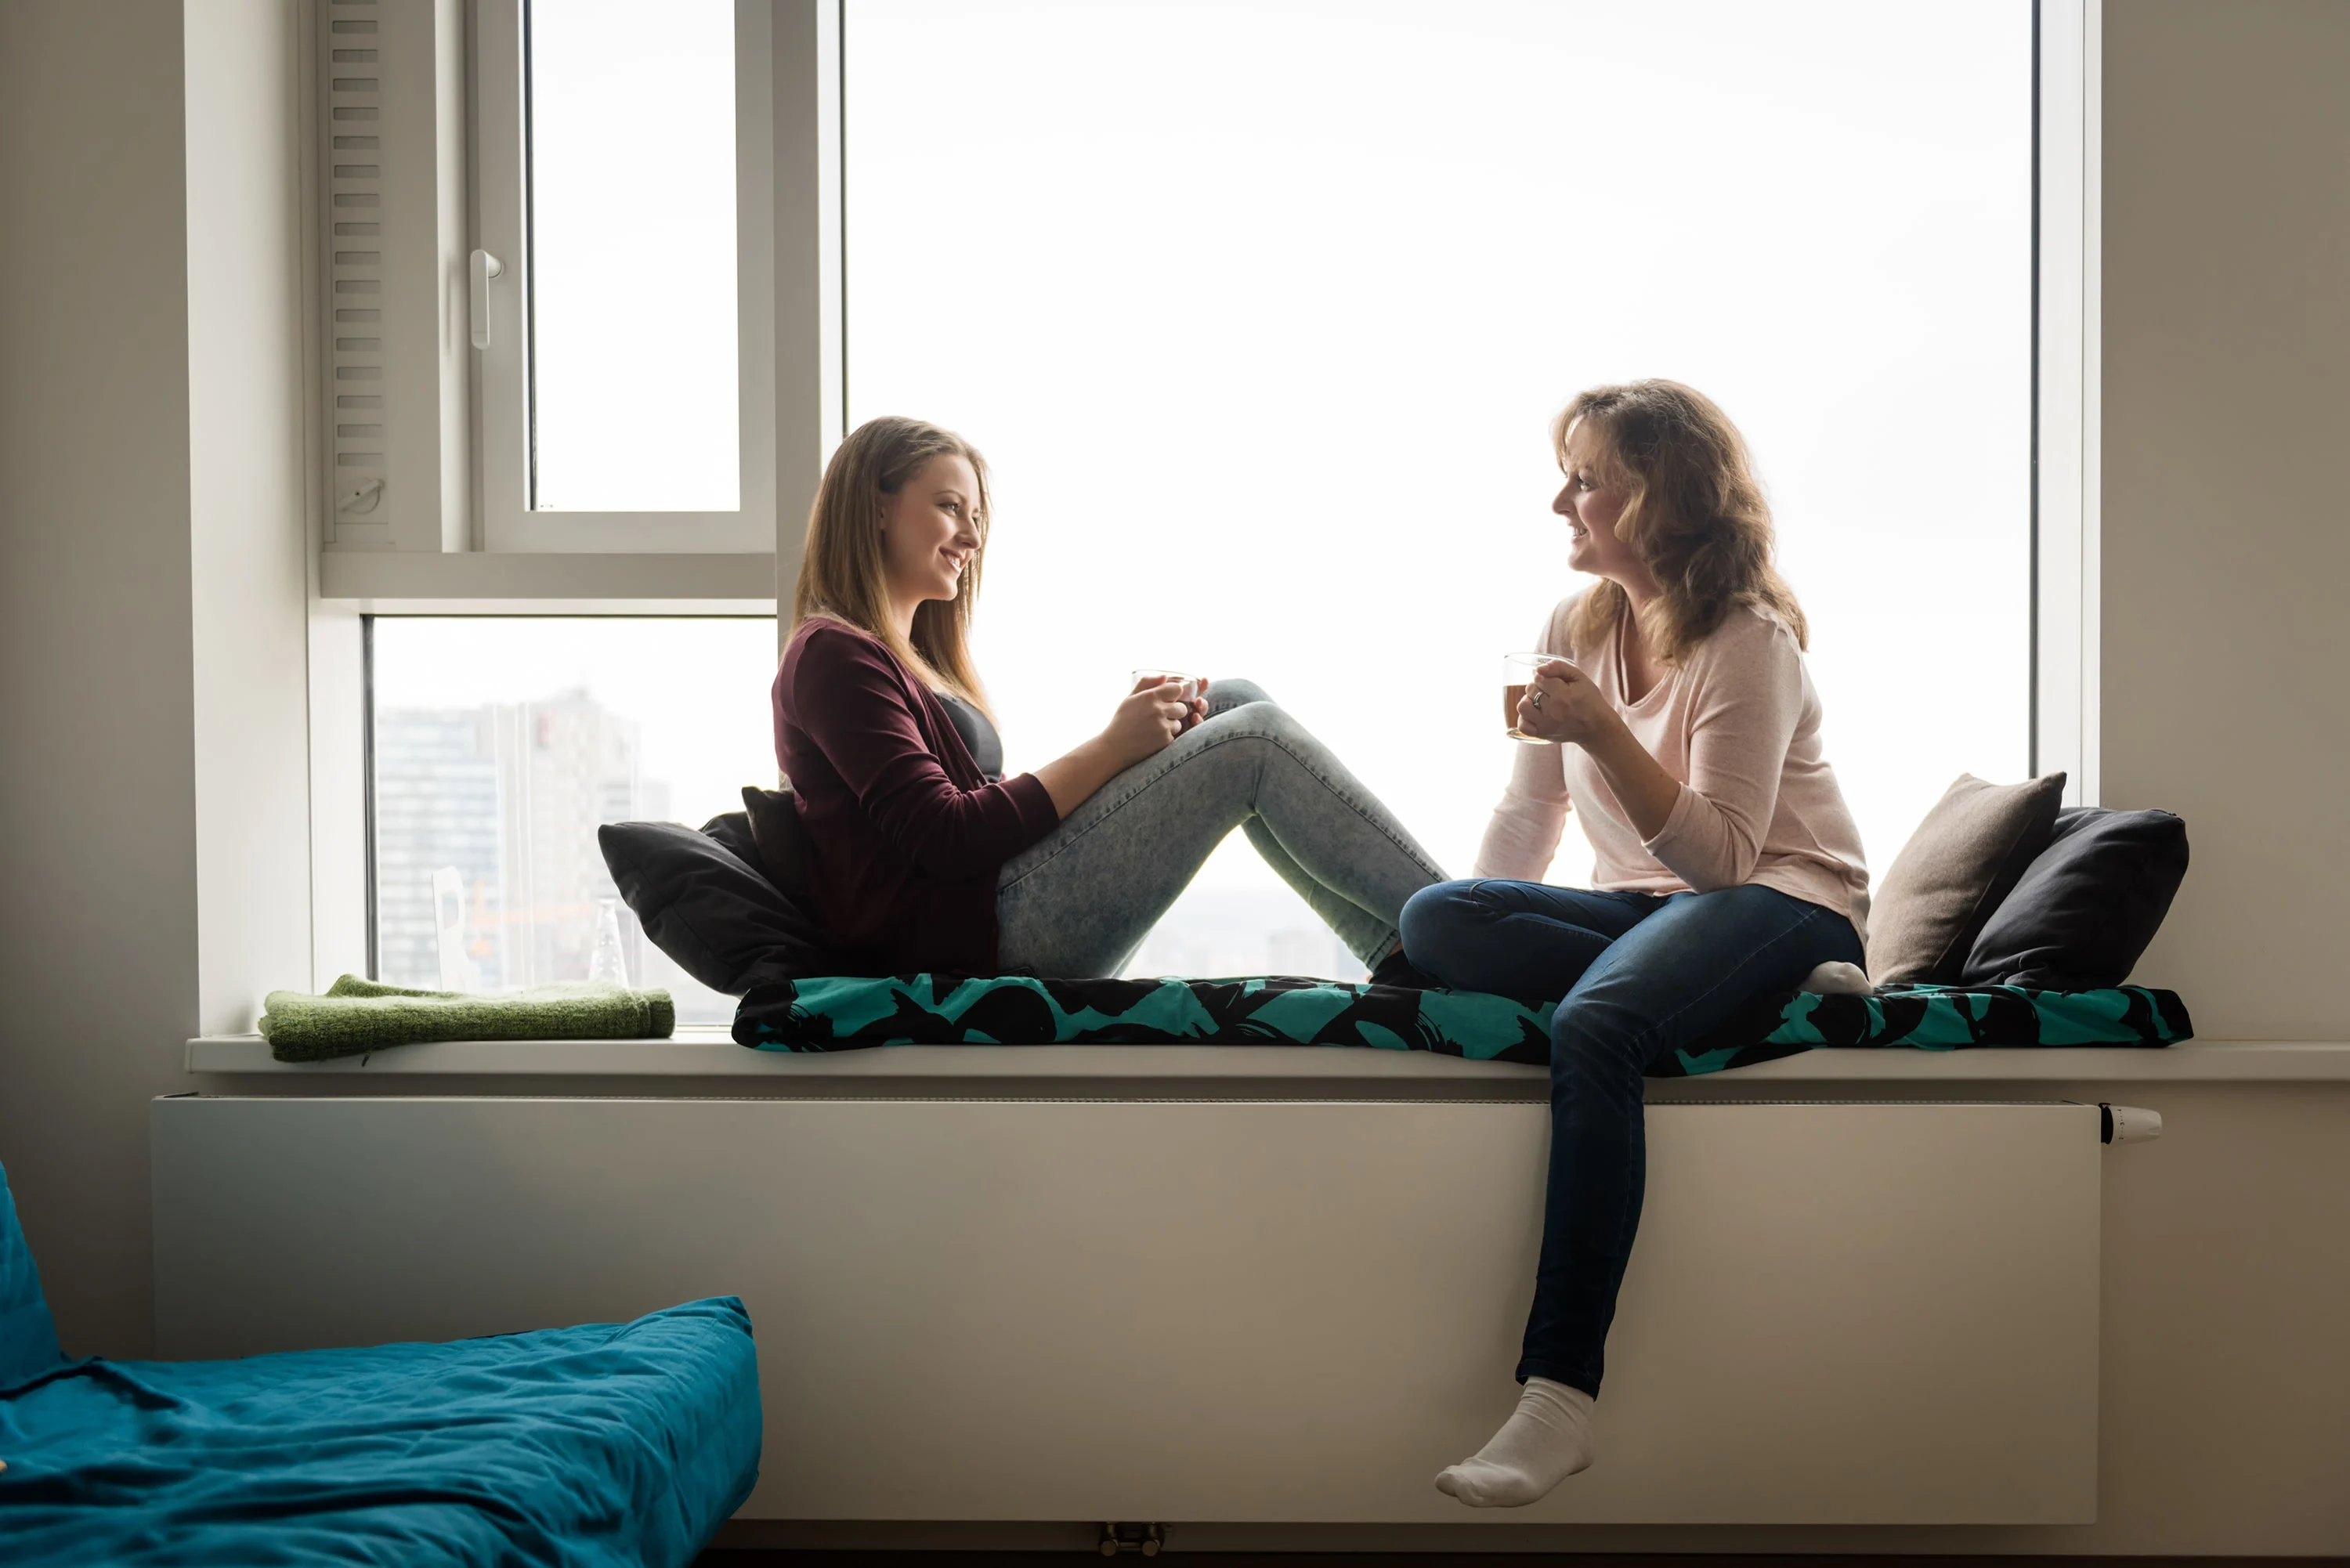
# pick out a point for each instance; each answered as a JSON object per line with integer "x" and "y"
{"x": 504, "y": 520}
{"x": 2067, "y": 393}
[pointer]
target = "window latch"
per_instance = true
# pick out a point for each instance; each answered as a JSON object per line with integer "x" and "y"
{"x": 485, "y": 267}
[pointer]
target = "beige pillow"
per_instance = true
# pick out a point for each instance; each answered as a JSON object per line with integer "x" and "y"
{"x": 1948, "y": 879}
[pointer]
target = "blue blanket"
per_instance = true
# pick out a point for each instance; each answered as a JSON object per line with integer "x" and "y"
{"x": 618, "y": 1444}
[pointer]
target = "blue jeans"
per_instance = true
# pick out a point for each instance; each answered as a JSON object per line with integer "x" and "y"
{"x": 1080, "y": 901}
{"x": 1642, "y": 974}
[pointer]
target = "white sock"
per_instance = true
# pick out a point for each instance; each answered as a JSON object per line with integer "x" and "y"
{"x": 1837, "y": 980}
{"x": 1547, "y": 1440}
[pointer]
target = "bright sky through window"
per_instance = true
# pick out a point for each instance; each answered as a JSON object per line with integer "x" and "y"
{"x": 1259, "y": 309}
{"x": 632, "y": 243}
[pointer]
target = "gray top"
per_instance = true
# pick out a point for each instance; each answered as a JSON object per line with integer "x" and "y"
{"x": 979, "y": 736}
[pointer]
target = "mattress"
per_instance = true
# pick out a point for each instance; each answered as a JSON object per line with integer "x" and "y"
{"x": 591, "y": 1447}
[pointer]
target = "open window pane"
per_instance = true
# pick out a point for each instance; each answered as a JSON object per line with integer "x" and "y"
{"x": 633, "y": 341}
{"x": 1259, "y": 309}
{"x": 501, "y": 743}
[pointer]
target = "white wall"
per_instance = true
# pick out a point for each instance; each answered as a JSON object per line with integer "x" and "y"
{"x": 152, "y": 598}
{"x": 97, "y": 850}
{"x": 247, "y": 481}
{"x": 2227, "y": 519}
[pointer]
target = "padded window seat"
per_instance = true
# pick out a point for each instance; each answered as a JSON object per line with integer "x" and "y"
{"x": 830, "y": 1015}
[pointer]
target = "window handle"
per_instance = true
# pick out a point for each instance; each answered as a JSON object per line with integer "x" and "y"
{"x": 485, "y": 267}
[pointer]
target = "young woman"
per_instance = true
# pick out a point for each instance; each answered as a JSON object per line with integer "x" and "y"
{"x": 1689, "y": 735}
{"x": 927, "y": 859}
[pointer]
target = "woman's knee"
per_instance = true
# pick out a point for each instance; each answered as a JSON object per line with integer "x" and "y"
{"x": 1438, "y": 919}
{"x": 1598, "y": 1033}
{"x": 1225, "y": 695}
{"x": 1261, "y": 719}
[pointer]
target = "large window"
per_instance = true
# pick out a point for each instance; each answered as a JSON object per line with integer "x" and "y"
{"x": 1260, "y": 308}
{"x": 500, "y": 745}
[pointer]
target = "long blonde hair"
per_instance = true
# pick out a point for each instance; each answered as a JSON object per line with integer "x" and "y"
{"x": 1696, "y": 516}
{"x": 842, "y": 572}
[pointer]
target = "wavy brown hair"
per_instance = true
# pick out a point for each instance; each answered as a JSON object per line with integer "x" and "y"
{"x": 1695, "y": 515}
{"x": 842, "y": 574}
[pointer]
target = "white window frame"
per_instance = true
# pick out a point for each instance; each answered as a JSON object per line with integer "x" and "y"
{"x": 2068, "y": 432}
{"x": 503, "y": 519}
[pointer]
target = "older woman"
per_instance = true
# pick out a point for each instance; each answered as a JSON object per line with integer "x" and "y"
{"x": 1678, "y": 722}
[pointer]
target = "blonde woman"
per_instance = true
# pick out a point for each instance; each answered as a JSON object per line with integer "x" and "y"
{"x": 927, "y": 859}
{"x": 1687, "y": 736}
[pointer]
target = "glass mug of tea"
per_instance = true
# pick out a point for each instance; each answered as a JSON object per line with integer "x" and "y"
{"x": 1192, "y": 685}
{"x": 1518, "y": 671}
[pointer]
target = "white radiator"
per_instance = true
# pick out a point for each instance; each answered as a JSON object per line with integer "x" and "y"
{"x": 1209, "y": 1310}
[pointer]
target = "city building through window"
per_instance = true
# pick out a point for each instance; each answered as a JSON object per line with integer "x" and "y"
{"x": 502, "y": 742}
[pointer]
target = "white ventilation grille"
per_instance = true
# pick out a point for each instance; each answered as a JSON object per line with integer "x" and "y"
{"x": 354, "y": 129}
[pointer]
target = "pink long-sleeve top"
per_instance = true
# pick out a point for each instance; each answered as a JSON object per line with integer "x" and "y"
{"x": 907, "y": 834}
{"x": 1738, "y": 724}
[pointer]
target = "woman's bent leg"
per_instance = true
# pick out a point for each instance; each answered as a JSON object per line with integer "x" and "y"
{"x": 1357, "y": 928}
{"x": 1082, "y": 899}
{"x": 1320, "y": 830}
{"x": 1515, "y": 939}
{"x": 1223, "y": 696}
{"x": 1354, "y": 926}
{"x": 1665, "y": 983}
{"x": 1078, "y": 902}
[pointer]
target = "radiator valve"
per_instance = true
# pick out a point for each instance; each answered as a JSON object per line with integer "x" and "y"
{"x": 1146, "y": 1539}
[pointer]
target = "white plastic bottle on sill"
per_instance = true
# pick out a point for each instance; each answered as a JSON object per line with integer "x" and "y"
{"x": 607, "y": 964}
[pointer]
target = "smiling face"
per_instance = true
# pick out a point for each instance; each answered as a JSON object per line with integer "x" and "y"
{"x": 930, "y": 532}
{"x": 1592, "y": 498}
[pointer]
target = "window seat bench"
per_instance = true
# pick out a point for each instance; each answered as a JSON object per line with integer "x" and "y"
{"x": 1124, "y": 1264}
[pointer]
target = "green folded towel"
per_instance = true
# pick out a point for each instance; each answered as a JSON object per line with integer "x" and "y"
{"x": 359, "y": 1016}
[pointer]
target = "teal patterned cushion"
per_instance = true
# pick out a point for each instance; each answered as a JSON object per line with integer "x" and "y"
{"x": 851, "y": 1013}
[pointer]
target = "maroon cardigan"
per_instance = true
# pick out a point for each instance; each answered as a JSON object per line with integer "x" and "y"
{"x": 908, "y": 835}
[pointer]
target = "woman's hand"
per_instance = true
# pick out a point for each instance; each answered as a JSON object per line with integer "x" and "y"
{"x": 1561, "y": 704}
{"x": 1152, "y": 715}
{"x": 1195, "y": 711}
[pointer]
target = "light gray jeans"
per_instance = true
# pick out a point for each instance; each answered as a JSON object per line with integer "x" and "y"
{"x": 1079, "y": 901}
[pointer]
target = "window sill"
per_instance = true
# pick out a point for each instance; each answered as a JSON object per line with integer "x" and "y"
{"x": 707, "y": 1061}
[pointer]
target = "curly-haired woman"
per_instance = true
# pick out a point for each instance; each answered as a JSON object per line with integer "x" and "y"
{"x": 1687, "y": 737}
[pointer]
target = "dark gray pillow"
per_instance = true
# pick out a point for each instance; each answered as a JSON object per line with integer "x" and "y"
{"x": 1956, "y": 870}
{"x": 785, "y": 851}
{"x": 2087, "y": 908}
{"x": 700, "y": 898}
